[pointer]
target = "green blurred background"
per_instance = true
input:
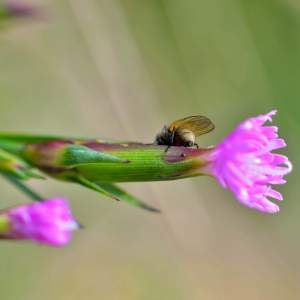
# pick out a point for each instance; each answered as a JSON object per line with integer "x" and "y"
{"x": 121, "y": 69}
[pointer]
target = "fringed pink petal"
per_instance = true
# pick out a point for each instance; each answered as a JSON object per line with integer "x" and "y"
{"x": 244, "y": 163}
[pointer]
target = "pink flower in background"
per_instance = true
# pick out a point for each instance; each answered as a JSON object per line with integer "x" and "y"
{"x": 20, "y": 8}
{"x": 244, "y": 163}
{"x": 48, "y": 222}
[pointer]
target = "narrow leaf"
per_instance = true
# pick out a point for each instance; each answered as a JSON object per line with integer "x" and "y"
{"x": 23, "y": 188}
{"x": 114, "y": 192}
{"x": 13, "y": 165}
{"x": 122, "y": 195}
{"x": 94, "y": 186}
{"x": 77, "y": 155}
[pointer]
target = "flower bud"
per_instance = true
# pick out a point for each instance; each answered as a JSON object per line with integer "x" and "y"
{"x": 49, "y": 222}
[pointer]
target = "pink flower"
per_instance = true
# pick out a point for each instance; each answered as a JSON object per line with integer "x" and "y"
{"x": 244, "y": 163}
{"x": 48, "y": 222}
{"x": 19, "y": 8}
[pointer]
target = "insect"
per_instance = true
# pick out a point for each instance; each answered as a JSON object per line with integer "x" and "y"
{"x": 183, "y": 132}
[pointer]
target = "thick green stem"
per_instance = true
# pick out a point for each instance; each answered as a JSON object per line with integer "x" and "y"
{"x": 137, "y": 161}
{"x": 13, "y": 147}
{"x": 145, "y": 164}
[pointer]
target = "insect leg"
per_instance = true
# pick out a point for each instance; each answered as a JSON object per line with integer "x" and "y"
{"x": 167, "y": 148}
{"x": 172, "y": 137}
{"x": 171, "y": 140}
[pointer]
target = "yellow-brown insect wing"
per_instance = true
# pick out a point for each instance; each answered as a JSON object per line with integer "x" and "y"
{"x": 197, "y": 124}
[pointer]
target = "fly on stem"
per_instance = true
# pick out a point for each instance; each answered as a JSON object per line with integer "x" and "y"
{"x": 243, "y": 162}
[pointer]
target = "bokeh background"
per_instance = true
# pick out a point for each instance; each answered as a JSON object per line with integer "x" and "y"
{"x": 121, "y": 69}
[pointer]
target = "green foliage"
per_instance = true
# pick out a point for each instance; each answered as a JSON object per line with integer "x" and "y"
{"x": 75, "y": 155}
{"x": 16, "y": 166}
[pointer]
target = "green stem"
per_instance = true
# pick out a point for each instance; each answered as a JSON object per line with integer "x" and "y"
{"x": 11, "y": 146}
{"x": 4, "y": 224}
{"x": 137, "y": 161}
{"x": 23, "y": 188}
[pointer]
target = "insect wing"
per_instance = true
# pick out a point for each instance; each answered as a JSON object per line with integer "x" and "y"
{"x": 197, "y": 124}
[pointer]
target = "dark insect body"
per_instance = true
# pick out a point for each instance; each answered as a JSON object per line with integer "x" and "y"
{"x": 183, "y": 132}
